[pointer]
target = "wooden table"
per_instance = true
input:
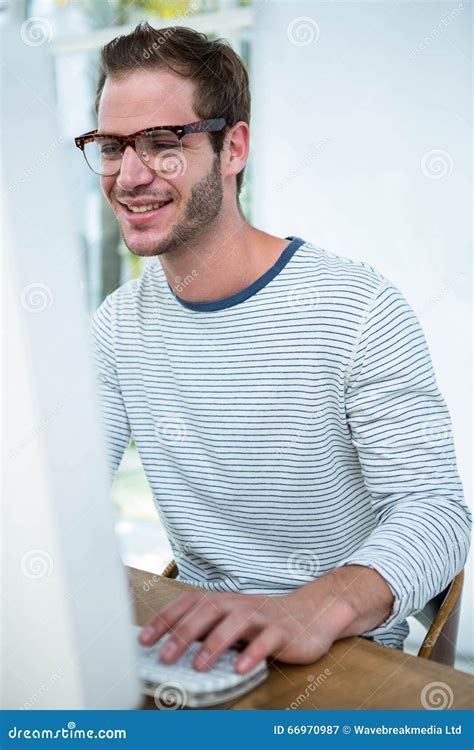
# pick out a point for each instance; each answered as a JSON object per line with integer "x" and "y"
{"x": 354, "y": 674}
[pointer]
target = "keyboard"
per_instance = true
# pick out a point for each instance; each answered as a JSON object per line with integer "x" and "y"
{"x": 179, "y": 685}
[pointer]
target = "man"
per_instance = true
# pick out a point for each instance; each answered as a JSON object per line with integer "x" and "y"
{"x": 282, "y": 398}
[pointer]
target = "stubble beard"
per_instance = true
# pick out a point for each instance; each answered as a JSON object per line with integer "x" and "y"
{"x": 203, "y": 207}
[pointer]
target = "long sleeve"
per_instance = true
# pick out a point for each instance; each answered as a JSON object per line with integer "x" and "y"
{"x": 114, "y": 415}
{"x": 401, "y": 429}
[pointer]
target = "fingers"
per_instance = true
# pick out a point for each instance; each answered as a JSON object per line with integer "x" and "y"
{"x": 193, "y": 626}
{"x": 234, "y": 626}
{"x": 167, "y": 618}
{"x": 189, "y": 618}
{"x": 223, "y": 620}
{"x": 270, "y": 640}
{"x": 265, "y": 641}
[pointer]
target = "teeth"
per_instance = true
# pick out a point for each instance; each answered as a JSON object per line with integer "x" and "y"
{"x": 150, "y": 207}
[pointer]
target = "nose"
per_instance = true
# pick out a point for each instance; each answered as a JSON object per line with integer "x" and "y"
{"x": 133, "y": 172}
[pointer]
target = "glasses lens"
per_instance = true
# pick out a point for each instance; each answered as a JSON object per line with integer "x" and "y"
{"x": 161, "y": 150}
{"x": 103, "y": 155}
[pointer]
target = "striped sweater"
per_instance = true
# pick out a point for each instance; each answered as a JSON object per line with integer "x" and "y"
{"x": 289, "y": 429}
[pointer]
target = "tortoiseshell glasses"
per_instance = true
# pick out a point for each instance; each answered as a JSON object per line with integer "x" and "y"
{"x": 159, "y": 148}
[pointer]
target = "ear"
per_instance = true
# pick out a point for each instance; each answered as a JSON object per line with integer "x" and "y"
{"x": 236, "y": 149}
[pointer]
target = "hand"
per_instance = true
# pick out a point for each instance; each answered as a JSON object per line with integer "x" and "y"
{"x": 296, "y": 628}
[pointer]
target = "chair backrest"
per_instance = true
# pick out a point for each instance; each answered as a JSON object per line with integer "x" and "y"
{"x": 171, "y": 570}
{"x": 441, "y": 617}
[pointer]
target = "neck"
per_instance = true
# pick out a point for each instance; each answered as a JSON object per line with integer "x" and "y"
{"x": 222, "y": 262}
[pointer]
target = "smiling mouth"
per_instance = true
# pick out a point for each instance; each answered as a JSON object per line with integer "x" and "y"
{"x": 148, "y": 207}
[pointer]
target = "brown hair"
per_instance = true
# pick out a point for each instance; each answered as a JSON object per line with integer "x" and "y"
{"x": 221, "y": 80}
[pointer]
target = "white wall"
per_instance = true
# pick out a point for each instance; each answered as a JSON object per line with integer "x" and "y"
{"x": 361, "y": 144}
{"x": 66, "y": 611}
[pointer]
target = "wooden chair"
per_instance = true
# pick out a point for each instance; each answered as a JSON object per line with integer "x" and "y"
{"x": 171, "y": 570}
{"x": 440, "y": 616}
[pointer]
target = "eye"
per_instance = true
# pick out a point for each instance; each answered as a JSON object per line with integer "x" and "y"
{"x": 109, "y": 148}
{"x": 162, "y": 145}
{"x": 161, "y": 140}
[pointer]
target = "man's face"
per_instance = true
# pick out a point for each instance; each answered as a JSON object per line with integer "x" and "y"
{"x": 146, "y": 99}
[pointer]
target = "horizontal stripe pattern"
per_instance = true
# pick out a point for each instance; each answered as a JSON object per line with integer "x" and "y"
{"x": 293, "y": 430}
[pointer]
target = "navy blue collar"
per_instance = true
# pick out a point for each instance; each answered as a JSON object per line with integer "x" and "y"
{"x": 236, "y": 299}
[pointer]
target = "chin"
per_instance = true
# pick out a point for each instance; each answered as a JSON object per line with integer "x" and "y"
{"x": 143, "y": 250}
{"x": 146, "y": 247}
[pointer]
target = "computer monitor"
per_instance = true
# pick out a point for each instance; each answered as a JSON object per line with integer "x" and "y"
{"x": 66, "y": 638}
